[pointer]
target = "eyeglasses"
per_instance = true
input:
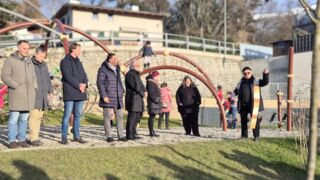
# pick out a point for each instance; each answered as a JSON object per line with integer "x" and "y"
{"x": 246, "y": 73}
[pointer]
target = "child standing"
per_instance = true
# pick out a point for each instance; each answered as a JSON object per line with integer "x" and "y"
{"x": 232, "y": 113}
{"x": 147, "y": 52}
{"x": 166, "y": 101}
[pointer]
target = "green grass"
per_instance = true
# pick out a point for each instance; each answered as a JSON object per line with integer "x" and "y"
{"x": 54, "y": 118}
{"x": 232, "y": 159}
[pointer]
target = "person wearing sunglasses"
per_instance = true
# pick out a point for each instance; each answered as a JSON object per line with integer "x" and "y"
{"x": 245, "y": 93}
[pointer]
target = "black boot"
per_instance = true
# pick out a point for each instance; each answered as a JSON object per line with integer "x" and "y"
{"x": 154, "y": 134}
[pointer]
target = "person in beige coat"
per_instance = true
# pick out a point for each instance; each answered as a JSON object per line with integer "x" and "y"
{"x": 19, "y": 75}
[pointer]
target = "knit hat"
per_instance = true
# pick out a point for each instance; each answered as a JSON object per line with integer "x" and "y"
{"x": 155, "y": 73}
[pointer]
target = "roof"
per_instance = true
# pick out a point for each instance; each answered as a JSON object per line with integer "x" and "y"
{"x": 64, "y": 9}
{"x": 282, "y": 41}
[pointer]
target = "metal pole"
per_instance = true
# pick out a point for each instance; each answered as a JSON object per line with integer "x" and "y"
{"x": 289, "y": 98}
{"x": 225, "y": 33}
{"x": 33, "y": 21}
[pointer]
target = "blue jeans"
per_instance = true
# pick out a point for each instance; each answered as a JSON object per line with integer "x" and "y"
{"x": 232, "y": 117}
{"x": 68, "y": 107}
{"x": 17, "y": 125}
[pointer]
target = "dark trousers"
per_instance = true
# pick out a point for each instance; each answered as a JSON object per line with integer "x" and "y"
{"x": 190, "y": 122}
{"x": 132, "y": 121}
{"x": 150, "y": 123}
{"x": 166, "y": 114}
{"x": 244, "y": 125}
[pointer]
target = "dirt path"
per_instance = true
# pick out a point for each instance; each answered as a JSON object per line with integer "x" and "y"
{"x": 50, "y": 135}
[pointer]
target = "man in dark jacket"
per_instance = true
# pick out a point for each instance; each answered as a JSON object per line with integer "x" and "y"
{"x": 74, "y": 81}
{"x": 42, "y": 94}
{"x": 135, "y": 91}
{"x": 111, "y": 95}
{"x": 244, "y": 91}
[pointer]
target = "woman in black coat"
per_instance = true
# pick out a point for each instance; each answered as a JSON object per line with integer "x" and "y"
{"x": 153, "y": 100}
{"x": 188, "y": 100}
{"x": 135, "y": 91}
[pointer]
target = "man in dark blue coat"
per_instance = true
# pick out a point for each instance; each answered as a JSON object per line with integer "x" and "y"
{"x": 111, "y": 95}
{"x": 74, "y": 81}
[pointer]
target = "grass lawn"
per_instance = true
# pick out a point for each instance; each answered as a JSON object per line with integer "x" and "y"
{"x": 54, "y": 118}
{"x": 233, "y": 159}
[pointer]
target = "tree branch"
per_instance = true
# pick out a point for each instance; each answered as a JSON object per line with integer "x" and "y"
{"x": 308, "y": 10}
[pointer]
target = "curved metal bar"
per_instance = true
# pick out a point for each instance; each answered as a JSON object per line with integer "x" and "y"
{"x": 203, "y": 80}
{"x": 180, "y": 56}
{"x": 27, "y": 24}
{"x": 184, "y": 58}
{"x": 64, "y": 38}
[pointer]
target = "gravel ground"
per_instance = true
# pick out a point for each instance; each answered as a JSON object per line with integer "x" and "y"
{"x": 50, "y": 135}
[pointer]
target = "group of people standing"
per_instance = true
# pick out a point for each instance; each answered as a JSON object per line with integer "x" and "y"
{"x": 29, "y": 89}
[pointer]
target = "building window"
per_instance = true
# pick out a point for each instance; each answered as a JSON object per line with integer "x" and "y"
{"x": 110, "y": 17}
{"x": 95, "y": 16}
{"x": 101, "y": 34}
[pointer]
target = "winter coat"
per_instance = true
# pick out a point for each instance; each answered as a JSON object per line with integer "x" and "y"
{"x": 239, "y": 91}
{"x": 44, "y": 85}
{"x": 188, "y": 99}
{"x": 110, "y": 85}
{"x": 134, "y": 92}
{"x": 154, "y": 97}
{"x": 166, "y": 99}
{"x": 72, "y": 75}
{"x": 18, "y": 74}
{"x": 146, "y": 51}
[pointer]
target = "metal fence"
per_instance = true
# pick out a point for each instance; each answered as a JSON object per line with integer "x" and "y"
{"x": 299, "y": 91}
{"x": 119, "y": 38}
{"x": 303, "y": 43}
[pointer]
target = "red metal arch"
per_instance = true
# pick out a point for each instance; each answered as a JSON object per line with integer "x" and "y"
{"x": 180, "y": 56}
{"x": 203, "y": 80}
{"x": 47, "y": 23}
{"x": 62, "y": 30}
{"x": 184, "y": 58}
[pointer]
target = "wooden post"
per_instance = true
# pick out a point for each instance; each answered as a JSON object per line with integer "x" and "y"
{"x": 279, "y": 98}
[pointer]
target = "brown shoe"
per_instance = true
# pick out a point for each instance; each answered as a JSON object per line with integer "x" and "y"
{"x": 23, "y": 144}
{"x": 80, "y": 140}
{"x": 13, "y": 145}
{"x": 36, "y": 143}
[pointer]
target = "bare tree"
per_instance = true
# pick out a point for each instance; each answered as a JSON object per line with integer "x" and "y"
{"x": 314, "y": 16}
{"x": 205, "y": 18}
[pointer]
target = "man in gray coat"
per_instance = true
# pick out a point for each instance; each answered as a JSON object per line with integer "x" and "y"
{"x": 18, "y": 74}
{"x": 42, "y": 95}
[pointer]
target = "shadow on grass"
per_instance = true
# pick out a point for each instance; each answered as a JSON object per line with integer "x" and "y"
{"x": 183, "y": 172}
{"x": 27, "y": 171}
{"x": 263, "y": 169}
{"x": 111, "y": 177}
{"x": 189, "y": 158}
{"x": 4, "y": 175}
